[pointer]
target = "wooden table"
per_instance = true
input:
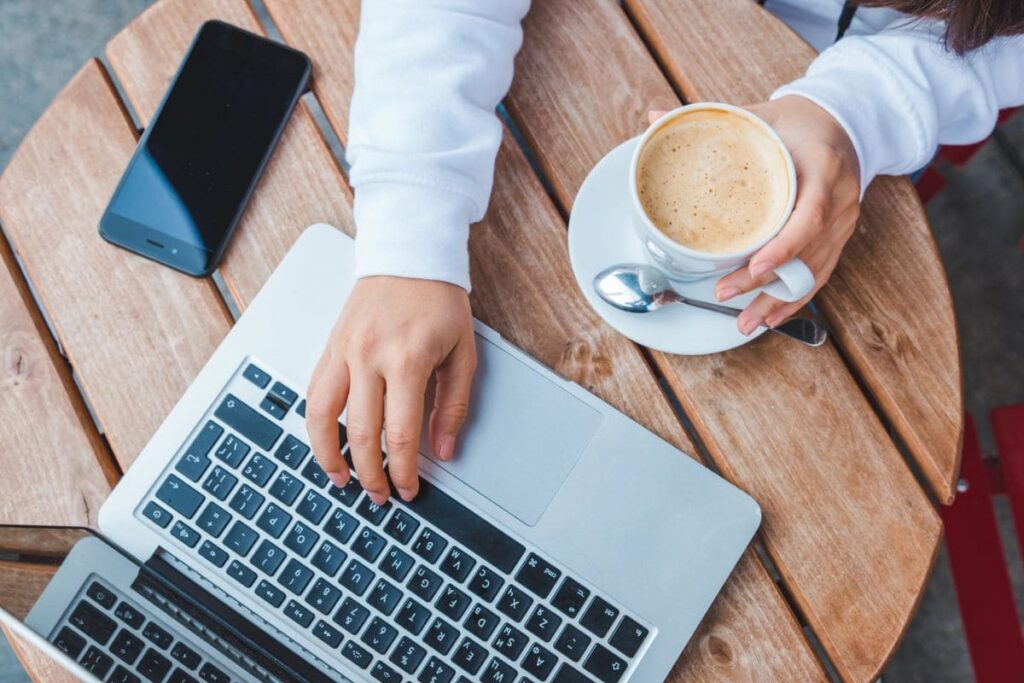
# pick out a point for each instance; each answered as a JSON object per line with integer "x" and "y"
{"x": 848, "y": 448}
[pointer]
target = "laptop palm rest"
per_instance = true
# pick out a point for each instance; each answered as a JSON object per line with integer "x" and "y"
{"x": 523, "y": 435}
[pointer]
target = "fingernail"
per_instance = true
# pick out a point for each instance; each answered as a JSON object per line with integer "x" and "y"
{"x": 378, "y": 498}
{"x": 759, "y": 269}
{"x": 727, "y": 293}
{"x": 749, "y": 326}
{"x": 447, "y": 447}
{"x": 406, "y": 494}
{"x": 338, "y": 479}
{"x": 773, "y": 320}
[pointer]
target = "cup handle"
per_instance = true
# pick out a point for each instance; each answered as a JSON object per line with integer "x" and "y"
{"x": 795, "y": 281}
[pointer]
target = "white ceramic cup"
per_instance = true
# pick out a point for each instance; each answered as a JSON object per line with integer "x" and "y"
{"x": 794, "y": 279}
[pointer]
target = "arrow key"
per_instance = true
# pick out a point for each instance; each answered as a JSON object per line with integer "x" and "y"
{"x": 604, "y": 665}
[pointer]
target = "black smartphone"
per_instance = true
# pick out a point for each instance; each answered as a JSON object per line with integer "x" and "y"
{"x": 196, "y": 165}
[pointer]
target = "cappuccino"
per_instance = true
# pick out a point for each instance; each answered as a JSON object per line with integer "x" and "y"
{"x": 714, "y": 181}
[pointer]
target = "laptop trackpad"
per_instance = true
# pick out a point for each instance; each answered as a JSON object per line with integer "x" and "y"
{"x": 523, "y": 435}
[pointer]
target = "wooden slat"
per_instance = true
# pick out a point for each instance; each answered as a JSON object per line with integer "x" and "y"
{"x": 50, "y": 542}
{"x": 750, "y": 631}
{"x": 888, "y": 304}
{"x": 56, "y": 468}
{"x": 302, "y": 183}
{"x": 20, "y": 584}
{"x": 845, "y": 521}
{"x": 135, "y": 332}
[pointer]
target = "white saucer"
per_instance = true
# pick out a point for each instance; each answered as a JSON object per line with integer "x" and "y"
{"x": 600, "y": 235}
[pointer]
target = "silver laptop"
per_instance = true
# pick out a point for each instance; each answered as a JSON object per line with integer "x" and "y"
{"x": 564, "y": 542}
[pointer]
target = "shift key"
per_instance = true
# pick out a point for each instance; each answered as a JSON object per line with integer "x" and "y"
{"x": 248, "y": 422}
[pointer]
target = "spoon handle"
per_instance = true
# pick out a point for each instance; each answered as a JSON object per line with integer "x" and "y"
{"x": 707, "y": 305}
{"x": 805, "y": 330}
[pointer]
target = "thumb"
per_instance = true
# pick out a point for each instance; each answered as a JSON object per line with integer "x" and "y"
{"x": 451, "y": 400}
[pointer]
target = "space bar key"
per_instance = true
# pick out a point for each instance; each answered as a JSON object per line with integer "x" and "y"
{"x": 465, "y": 526}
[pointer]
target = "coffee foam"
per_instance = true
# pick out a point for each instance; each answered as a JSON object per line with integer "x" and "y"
{"x": 713, "y": 181}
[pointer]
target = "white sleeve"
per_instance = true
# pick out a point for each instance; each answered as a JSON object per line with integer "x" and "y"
{"x": 423, "y": 131}
{"x": 900, "y": 93}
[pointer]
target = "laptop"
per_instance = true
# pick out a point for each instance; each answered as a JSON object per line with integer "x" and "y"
{"x": 564, "y": 542}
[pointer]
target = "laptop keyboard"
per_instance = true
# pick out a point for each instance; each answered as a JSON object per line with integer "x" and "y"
{"x": 426, "y": 591}
{"x": 116, "y": 641}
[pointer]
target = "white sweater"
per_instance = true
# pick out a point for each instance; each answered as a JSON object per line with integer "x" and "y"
{"x": 423, "y": 133}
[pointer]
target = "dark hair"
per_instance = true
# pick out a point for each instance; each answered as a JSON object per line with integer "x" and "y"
{"x": 969, "y": 23}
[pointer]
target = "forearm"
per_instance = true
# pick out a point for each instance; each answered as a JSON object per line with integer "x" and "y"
{"x": 423, "y": 132}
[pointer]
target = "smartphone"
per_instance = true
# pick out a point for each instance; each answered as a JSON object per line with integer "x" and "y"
{"x": 196, "y": 165}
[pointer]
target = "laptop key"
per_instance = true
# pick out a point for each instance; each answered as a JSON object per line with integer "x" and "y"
{"x": 351, "y": 616}
{"x": 379, "y": 635}
{"x": 154, "y": 666}
{"x": 179, "y": 496}
{"x": 179, "y": 676}
{"x": 440, "y": 636}
{"x": 259, "y": 469}
{"x": 282, "y": 395}
{"x": 247, "y": 422}
{"x": 356, "y": 577}
{"x": 514, "y": 602}
{"x": 424, "y": 583}
{"x": 570, "y": 597}
{"x": 628, "y": 637}
{"x": 213, "y": 519}
{"x": 356, "y": 654}
{"x": 232, "y": 451}
{"x": 599, "y": 617}
{"x": 486, "y": 583}
{"x": 301, "y": 539}
{"x": 401, "y": 526}
{"x": 299, "y": 614}
{"x": 323, "y": 596}
{"x": 185, "y": 655}
{"x": 470, "y": 656}
{"x": 348, "y": 494}
{"x": 270, "y": 593}
{"x": 246, "y": 501}
{"x": 372, "y": 512}
{"x": 429, "y": 545}
{"x": 567, "y": 674}
{"x": 274, "y": 520}
{"x": 212, "y": 674}
{"x": 186, "y": 534}
{"x": 539, "y": 662}
{"x": 69, "y": 642}
{"x": 413, "y": 616}
{"x": 457, "y": 564}
{"x": 329, "y": 558}
{"x": 220, "y": 482}
{"x": 481, "y": 622}
{"x": 315, "y": 474}
{"x": 95, "y": 661}
{"x": 240, "y": 539}
{"x": 497, "y": 671}
{"x": 385, "y": 597}
{"x": 240, "y": 573}
{"x": 291, "y": 452}
{"x": 127, "y": 647}
{"x": 510, "y": 642}
{"x": 407, "y": 655}
{"x": 92, "y": 622}
{"x": 256, "y": 376}
{"x": 313, "y": 506}
{"x": 604, "y": 665}
{"x": 301, "y": 409}
{"x": 101, "y": 595}
{"x": 436, "y": 671}
{"x": 453, "y": 603}
{"x": 286, "y": 488}
{"x": 369, "y": 545}
{"x": 327, "y": 633}
{"x": 383, "y": 672}
{"x": 340, "y": 526}
{"x": 129, "y": 615}
{"x": 572, "y": 642}
{"x": 156, "y": 635}
{"x": 396, "y": 564}
{"x": 215, "y": 555}
{"x": 538, "y": 575}
{"x": 273, "y": 408}
{"x": 123, "y": 675}
{"x": 267, "y": 558}
{"x": 295, "y": 577}
{"x": 196, "y": 457}
{"x": 543, "y": 623}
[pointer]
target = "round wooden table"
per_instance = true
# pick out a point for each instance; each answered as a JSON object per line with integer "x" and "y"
{"x": 848, "y": 448}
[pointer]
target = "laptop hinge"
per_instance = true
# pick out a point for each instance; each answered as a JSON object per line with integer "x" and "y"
{"x": 168, "y": 587}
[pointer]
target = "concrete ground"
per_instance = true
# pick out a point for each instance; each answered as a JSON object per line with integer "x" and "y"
{"x": 978, "y": 221}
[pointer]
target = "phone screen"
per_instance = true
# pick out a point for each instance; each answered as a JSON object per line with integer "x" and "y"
{"x": 188, "y": 182}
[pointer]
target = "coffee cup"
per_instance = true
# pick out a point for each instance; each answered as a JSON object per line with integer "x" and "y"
{"x": 710, "y": 184}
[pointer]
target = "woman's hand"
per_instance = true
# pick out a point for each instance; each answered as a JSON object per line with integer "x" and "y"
{"x": 392, "y": 334}
{"x": 823, "y": 219}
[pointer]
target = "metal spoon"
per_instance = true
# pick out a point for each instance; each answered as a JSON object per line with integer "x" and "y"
{"x": 641, "y": 288}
